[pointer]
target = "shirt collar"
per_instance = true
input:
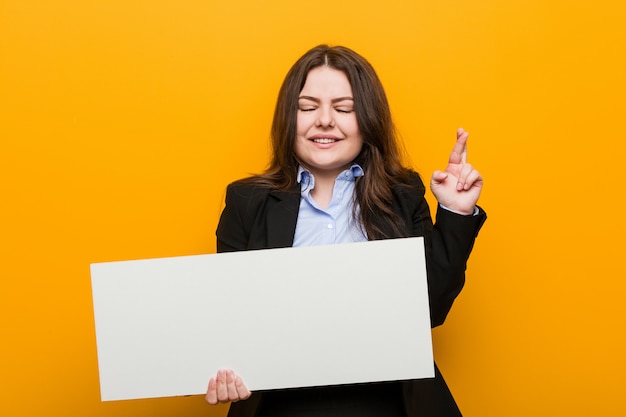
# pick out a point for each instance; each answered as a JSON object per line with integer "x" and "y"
{"x": 306, "y": 178}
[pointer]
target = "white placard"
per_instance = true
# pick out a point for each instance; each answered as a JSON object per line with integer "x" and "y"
{"x": 281, "y": 318}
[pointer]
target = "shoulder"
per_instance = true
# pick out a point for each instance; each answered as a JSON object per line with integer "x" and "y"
{"x": 410, "y": 205}
{"x": 253, "y": 192}
{"x": 248, "y": 187}
{"x": 410, "y": 186}
{"x": 415, "y": 180}
{"x": 244, "y": 203}
{"x": 247, "y": 192}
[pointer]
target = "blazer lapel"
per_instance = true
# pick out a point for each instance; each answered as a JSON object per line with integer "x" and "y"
{"x": 282, "y": 215}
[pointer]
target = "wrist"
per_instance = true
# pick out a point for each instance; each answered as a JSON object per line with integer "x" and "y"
{"x": 472, "y": 212}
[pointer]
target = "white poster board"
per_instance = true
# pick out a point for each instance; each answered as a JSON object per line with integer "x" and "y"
{"x": 281, "y": 318}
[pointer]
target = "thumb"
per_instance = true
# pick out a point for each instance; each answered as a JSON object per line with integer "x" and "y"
{"x": 438, "y": 177}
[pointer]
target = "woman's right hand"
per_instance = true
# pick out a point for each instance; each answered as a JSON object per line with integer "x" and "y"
{"x": 226, "y": 386}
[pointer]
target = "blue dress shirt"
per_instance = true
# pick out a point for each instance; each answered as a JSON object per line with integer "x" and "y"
{"x": 316, "y": 226}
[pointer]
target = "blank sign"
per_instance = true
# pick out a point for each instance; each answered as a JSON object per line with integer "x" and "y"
{"x": 281, "y": 318}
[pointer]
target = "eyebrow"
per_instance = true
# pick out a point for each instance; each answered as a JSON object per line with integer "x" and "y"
{"x": 317, "y": 100}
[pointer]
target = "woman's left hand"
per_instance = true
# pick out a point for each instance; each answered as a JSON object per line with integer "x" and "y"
{"x": 459, "y": 186}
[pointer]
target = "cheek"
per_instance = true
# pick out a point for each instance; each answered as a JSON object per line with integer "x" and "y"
{"x": 351, "y": 125}
{"x": 358, "y": 146}
{"x": 298, "y": 144}
{"x": 303, "y": 123}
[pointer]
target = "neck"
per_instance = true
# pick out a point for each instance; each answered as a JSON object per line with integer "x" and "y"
{"x": 324, "y": 185}
{"x": 322, "y": 194}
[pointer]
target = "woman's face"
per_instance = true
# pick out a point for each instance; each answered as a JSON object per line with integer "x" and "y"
{"x": 327, "y": 132}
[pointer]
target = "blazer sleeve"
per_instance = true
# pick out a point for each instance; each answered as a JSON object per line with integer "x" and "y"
{"x": 447, "y": 252}
{"x": 448, "y": 244}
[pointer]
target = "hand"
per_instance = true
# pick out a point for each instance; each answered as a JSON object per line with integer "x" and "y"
{"x": 458, "y": 188}
{"x": 226, "y": 386}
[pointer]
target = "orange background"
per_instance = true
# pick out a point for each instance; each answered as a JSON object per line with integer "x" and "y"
{"x": 121, "y": 122}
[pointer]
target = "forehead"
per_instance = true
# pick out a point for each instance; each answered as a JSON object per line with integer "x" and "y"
{"x": 325, "y": 81}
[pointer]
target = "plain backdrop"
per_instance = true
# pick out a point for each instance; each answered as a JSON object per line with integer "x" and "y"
{"x": 122, "y": 122}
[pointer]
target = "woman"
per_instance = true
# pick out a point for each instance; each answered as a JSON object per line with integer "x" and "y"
{"x": 336, "y": 161}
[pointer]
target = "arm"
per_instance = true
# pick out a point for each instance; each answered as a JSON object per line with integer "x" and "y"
{"x": 456, "y": 227}
{"x": 449, "y": 242}
{"x": 447, "y": 251}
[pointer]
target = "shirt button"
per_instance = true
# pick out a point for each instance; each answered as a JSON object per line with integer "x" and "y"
{"x": 347, "y": 174}
{"x": 330, "y": 226}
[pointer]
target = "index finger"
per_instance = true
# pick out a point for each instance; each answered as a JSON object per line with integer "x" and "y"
{"x": 459, "y": 152}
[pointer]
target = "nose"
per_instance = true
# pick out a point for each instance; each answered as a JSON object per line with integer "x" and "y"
{"x": 325, "y": 117}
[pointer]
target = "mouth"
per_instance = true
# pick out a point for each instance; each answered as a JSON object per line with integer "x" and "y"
{"x": 325, "y": 140}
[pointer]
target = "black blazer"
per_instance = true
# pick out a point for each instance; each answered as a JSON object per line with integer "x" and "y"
{"x": 257, "y": 217}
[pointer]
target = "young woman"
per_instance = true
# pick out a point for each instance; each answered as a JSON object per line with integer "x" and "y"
{"x": 336, "y": 161}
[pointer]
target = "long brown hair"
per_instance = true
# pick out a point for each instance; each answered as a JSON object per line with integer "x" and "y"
{"x": 380, "y": 156}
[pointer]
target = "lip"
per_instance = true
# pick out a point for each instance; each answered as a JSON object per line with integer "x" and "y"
{"x": 324, "y": 136}
{"x": 334, "y": 140}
